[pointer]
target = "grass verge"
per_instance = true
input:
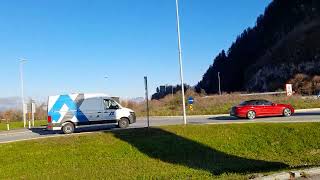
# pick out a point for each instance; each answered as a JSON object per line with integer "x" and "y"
{"x": 19, "y": 124}
{"x": 172, "y": 152}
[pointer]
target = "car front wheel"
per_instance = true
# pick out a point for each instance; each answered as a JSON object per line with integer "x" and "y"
{"x": 123, "y": 123}
{"x": 287, "y": 112}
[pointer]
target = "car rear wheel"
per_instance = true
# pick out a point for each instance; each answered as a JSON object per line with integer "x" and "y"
{"x": 68, "y": 128}
{"x": 287, "y": 112}
{"x": 123, "y": 123}
{"x": 251, "y": 115}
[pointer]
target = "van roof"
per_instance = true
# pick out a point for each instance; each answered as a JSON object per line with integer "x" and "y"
{"x": 88, "y": 95}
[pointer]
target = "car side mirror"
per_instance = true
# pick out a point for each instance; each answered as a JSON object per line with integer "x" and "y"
{"x": 273, "y": 104}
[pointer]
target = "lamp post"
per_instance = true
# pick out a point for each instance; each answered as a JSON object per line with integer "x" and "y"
{"x": 21, "y": 62}
{"x": 181, "y": 65}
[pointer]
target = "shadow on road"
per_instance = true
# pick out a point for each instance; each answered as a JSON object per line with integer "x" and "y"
{"x": 307, "y": 114}
{"x": 171, "y": 148}
{"x": 224, "y": 118}
{"x": 44, "y": 131}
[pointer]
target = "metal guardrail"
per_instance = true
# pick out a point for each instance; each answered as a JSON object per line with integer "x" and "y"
{"x": 265, "y": 93}
{"x": 257, "y": 94}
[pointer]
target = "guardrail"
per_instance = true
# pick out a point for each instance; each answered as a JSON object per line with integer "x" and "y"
{"x": 265, "y": 93}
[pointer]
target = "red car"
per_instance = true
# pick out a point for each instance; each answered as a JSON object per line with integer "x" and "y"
{"x": 261, "y": 108}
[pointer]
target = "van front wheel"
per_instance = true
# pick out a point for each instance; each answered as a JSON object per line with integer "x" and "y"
{"x": 68, "y": 128}
{"x": 123, "y": 123}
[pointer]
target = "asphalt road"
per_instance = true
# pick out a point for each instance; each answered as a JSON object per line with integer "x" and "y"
{"x": 37, "y": 133}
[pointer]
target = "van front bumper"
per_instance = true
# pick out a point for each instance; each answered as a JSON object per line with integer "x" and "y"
{"x": 132, "y": 118}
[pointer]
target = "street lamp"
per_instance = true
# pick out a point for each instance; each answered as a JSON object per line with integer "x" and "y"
{"x": 21, "y": 62}
{"x": 181, "y": 65}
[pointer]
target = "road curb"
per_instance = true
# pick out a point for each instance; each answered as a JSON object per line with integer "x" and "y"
{"x": 217, "y": 115}
{"x": 305, "y": 173}
{"x": 307, "y": 110}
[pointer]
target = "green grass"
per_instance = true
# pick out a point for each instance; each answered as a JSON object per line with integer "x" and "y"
{"x": 19, "y": 124}
{"x": 172, "y": 152}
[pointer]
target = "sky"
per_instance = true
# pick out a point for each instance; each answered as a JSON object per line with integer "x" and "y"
{"x": 71, "y": 46}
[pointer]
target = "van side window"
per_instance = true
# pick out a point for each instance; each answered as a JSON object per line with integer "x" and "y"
{"x": 110, "y": 104}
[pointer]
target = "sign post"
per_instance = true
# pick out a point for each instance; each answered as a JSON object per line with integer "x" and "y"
{"x": 191, "y": 101}
{"x": 30, "y": 109}
{"x": 147, "y": 99}
{"x": 33, "y": 107}
{"x": 7, "y": 119}
{"x": 25, "y": 110}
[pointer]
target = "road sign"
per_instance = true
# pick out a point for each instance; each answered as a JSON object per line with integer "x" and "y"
{"x": 190, "y": 100}
{"x": 191, "y": 107}
{"x": 289, "y": 89}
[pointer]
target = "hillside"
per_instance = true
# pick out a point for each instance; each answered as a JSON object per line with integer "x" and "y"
{"x": 283, "y": 43}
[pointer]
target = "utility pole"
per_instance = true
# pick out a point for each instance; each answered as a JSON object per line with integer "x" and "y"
{"x": 172, "y": 91}
{"x": 181, "y": 65}
{"x": 147, "y": 99}
{"x": 22, "y": 61}
{"x": 219, "y": 83}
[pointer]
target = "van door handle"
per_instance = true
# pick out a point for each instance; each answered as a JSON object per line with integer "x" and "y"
{"x": 99, "y": 112}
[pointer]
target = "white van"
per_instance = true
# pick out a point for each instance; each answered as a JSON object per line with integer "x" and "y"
{"x": 66, "y": 112}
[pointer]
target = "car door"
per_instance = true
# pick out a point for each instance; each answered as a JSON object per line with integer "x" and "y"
{"x": 270, "y": 109}
{"x": 92, "y": 109}
{"x": 110, "y": 108}
{"x": 258, "y": 108}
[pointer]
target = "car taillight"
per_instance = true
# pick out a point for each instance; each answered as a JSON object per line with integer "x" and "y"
{"x": 49, "y": 119}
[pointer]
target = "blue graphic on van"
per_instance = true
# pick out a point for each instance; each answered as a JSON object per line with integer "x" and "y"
{"x": 73, "y": 109}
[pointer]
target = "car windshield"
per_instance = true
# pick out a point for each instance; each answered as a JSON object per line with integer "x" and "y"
{"x": 244, "y": 103}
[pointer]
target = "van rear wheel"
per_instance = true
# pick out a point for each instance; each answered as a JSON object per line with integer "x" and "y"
{"x": 123, "y": 123}
{"x": 68, "y": 128}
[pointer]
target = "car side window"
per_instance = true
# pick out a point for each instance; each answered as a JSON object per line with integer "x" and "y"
{"x": 106, "y": 103}
{"x": 252, "y": 103}
{"x": 267, "y": 103}
{"x": 259, "y": 103}
{"x": 110, "y": 104}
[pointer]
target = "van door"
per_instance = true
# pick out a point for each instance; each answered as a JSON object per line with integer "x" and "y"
{"x": 110, "y": 108}
{"x": 92, "y": 109}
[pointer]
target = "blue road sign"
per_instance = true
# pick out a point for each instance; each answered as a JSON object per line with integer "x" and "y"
{"x": 190, "y": 100}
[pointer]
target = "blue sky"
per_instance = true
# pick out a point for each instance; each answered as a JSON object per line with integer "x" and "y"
{"x": 71, "y": 45}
